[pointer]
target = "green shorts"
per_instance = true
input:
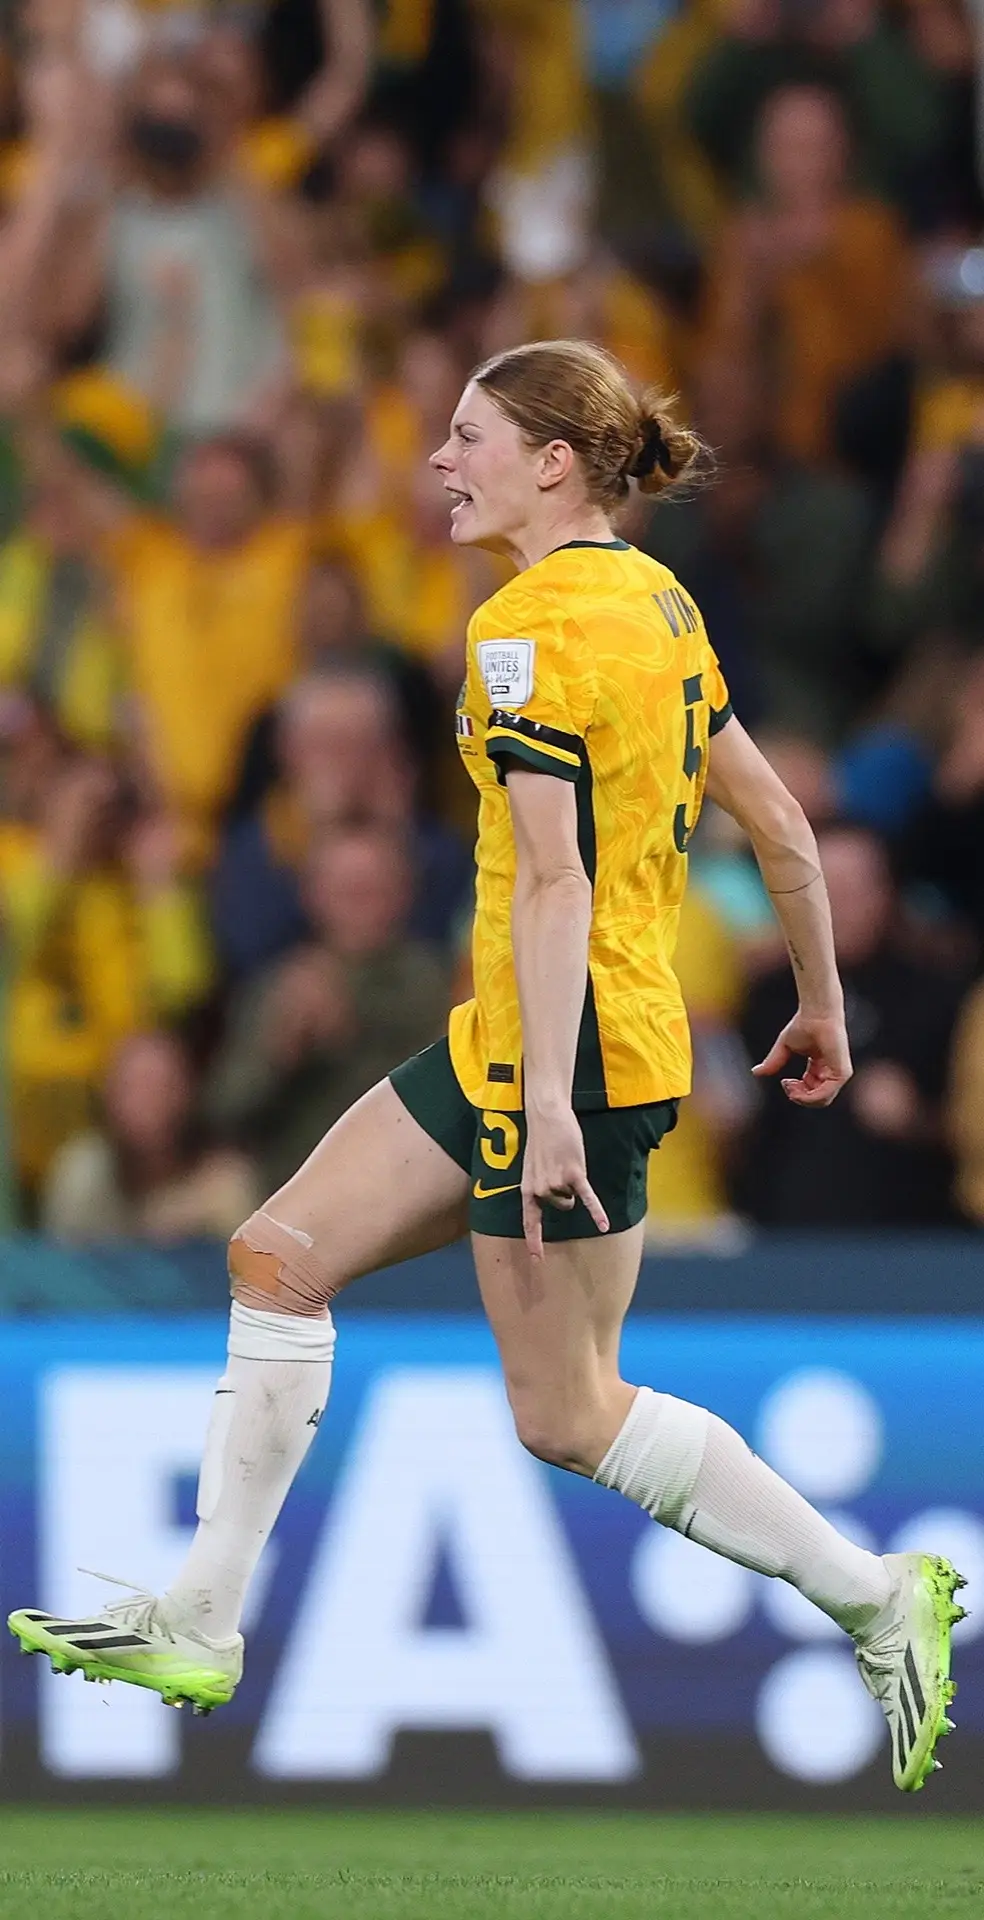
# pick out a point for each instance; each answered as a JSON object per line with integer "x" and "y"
{"x": 490, "y": 1146}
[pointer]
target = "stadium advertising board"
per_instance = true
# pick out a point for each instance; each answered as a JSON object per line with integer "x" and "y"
{"x": 440, "y": 1617}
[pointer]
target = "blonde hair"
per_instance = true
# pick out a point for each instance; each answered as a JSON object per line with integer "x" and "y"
{"x": 575, "y": 391}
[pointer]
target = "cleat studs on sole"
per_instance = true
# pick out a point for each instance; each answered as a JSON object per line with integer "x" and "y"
{"x": 949, "y": 1726}
{"x": 937, "y": 1766}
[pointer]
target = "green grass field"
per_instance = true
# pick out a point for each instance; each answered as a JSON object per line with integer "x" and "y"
{"x": 150, "y": 1865}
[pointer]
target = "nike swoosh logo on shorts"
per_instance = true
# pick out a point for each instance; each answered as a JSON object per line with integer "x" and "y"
{"x": 489, "y": 1193}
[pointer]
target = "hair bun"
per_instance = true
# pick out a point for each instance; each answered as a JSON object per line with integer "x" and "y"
{"x": 666, "y": 453}
{"x": 653, "y": 453}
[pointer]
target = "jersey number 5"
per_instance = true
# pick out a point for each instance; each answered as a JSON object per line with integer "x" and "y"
{"x": 693, "y": 756}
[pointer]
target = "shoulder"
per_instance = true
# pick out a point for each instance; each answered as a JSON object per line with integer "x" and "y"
{"x": 674, "y": 601}
{"x": 529, "y": 603}
{"x": 563, "y": 592}
{"x": 526, "y": 629}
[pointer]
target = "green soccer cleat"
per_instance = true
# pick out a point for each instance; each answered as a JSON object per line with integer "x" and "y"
{"x": 905, "y": 1662}
{"x": 134, "y": 1641}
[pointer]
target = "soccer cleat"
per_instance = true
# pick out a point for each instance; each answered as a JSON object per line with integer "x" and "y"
{"x": 905, "y": 1662}
{"x": 134, "y": 1641}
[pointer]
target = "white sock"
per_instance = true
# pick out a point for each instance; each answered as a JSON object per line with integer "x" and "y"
{"x": 692, "y": 1472}
{"x": 266, "y": 1412}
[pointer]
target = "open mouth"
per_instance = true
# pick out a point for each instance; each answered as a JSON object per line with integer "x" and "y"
{"x": 458, "y": 499}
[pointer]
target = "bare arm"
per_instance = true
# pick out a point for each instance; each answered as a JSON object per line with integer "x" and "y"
{"x": 25, "y": 244}
{"x": 36, "y": 268}
{"x": 551, "y": 919}
{"x": 72, "y": 123}
{"x": 918, "y": 523}
{"x": 741, "y": 781}
{"x": 279, "y": 225}
{"x": 336, "y": 92}
{"x": 71, "y": 297}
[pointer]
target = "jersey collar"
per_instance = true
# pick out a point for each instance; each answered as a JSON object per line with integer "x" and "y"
{"x": 609, "y": 546}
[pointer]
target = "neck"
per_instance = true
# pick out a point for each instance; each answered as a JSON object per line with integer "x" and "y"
{"x": 531, "y": 544}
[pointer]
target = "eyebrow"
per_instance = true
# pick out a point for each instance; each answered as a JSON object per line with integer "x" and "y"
{"x": 456, "y": 425}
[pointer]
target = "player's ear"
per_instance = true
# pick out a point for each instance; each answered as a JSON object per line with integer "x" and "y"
{"x": 554, "y": 463}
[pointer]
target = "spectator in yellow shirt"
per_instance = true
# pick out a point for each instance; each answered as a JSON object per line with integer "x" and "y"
{"x": 102, "y": 933}
{"x": 205, "y": 602}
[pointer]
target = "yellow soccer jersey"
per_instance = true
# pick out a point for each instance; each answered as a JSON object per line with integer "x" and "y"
{"x": 593, "y": 665}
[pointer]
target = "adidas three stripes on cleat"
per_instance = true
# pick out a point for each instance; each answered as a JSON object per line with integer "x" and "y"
{"x": 905, "y": 1662}
{"x": 904, "y": 1657}
{"x": 136, "y": 1642}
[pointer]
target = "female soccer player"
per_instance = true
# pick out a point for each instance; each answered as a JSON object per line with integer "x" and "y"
{"x": 592, "y": 719}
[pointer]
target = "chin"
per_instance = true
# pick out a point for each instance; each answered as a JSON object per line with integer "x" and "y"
{"x": 473, "y": 534}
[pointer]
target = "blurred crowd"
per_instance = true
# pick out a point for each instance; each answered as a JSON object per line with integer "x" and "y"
{"x": 248, "y": 253}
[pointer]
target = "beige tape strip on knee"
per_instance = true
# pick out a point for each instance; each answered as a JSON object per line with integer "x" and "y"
{"x": 275, "y": 1266}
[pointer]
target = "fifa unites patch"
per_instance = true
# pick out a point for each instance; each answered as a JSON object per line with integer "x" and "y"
{"x": 506, "y": 667}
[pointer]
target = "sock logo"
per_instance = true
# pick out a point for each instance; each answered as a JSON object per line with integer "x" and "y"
{"x": 315, "y": 1419}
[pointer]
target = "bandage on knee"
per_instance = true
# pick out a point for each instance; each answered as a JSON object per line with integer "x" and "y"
{"x": 275, "y": 1266}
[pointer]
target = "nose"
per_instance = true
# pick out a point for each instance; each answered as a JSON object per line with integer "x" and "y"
{"x": 441, "y": 460}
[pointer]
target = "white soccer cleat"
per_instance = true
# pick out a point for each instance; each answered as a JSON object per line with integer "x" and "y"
{"x": 135, "y": 1641}
{"x": 904, "y": 1660}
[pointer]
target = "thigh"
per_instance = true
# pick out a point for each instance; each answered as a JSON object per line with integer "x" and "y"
{"x": 377, "y": 1190}
{"x": 558, "y": 1321}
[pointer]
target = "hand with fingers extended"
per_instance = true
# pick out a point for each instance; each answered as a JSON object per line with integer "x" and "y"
{"x": 821, "y": 1040}
{"x": 555, "y": 1173}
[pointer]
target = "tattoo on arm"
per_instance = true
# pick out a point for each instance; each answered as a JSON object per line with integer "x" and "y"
{"x": 795, "y": 957}
{"x": 779, "y": 893}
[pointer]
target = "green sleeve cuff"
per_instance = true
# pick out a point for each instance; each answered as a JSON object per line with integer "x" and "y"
{"x": 510, "y": 747}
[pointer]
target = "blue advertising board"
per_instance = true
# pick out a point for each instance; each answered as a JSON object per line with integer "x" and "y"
{"x": 439, "y": 1616}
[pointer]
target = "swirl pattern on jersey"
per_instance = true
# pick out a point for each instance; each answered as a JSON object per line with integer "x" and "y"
{"x": 620, "y": 691}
